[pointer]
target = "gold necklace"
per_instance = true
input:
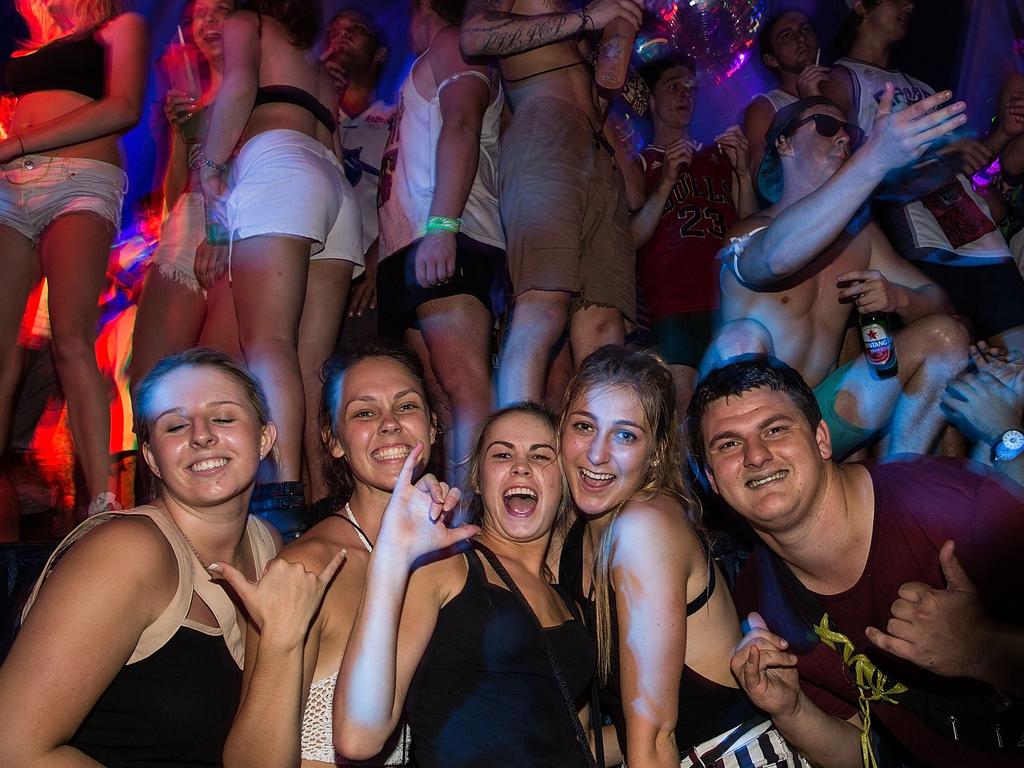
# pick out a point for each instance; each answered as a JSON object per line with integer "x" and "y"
{"x": 206, "y": 564}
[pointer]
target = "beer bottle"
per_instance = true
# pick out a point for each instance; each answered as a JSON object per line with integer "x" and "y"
{"x": 879, "y": 345}
{"x": 613, "y": 54}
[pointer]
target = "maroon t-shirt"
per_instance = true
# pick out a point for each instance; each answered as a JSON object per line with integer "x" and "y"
{"x": 677, "y": 268}
{"x": 920, "y": 503}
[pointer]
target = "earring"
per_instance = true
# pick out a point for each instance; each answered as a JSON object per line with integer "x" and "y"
{"x": 656, "y": 462}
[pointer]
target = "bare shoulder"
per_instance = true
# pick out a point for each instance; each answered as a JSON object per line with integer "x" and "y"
{"x": 444, "y": 577}
{"x": 645, "y": 529}
{"x": 124, "y": 27}
{"x": 315, "y": 548}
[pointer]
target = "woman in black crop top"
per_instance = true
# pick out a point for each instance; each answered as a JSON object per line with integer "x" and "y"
{"x": 129, "y": 655}
{"x": 173, "y": 308}
{"x": 663, "y": 618}
{"x": 292, "y": 219}
{"x": 457, "y": 636}
{"x": 61, "y": 190}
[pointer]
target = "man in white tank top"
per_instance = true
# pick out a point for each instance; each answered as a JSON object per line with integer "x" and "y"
{"x": 789, "y": 48}
{"x": 441, "y": 276}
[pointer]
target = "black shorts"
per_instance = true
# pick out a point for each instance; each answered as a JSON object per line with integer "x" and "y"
{"x": 480, "y": 271}
{"x": 991, "y": 295}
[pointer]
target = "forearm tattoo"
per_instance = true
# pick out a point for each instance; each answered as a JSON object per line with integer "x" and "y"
{"x": 501, "y": 33}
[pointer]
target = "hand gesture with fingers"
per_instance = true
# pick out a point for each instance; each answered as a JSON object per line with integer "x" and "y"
{"x": 810, "y": 80}
{"x": 284, "y": 600}
{"x": 871, "y": 292}
{"x": 941, "y": 630}
{"x": 733, "y": 144}
{"x": 899, "y": 138}
{"x": 981, "y": 406}
{"x": 765, "y": 670}
{"x": 415, "y": 522}
{"x": 678, "y": 155}
{"x": 967, "y": 156}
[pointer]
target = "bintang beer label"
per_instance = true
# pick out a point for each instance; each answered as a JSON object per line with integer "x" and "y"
{"x": 879, "y": 348}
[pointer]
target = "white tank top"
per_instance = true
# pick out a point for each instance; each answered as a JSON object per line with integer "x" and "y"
{"x": 778, "y": 98}
{"x": 409, "y": 172}
{"x": 363, "y": 139}
{"x": 950, "y": 219}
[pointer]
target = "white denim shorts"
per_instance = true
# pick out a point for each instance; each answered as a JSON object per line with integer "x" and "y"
{"x": 36, "y": 189}
{"x": 284, "y": 182}
{"x": 181, "y": 232}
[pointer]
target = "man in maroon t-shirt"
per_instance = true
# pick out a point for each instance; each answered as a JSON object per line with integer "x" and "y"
{"x": 913, "y": 564}
{"x": 693, "y": 195}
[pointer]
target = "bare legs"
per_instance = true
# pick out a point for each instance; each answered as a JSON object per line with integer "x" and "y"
{"x": 268, "y": 275}
{"x": 170, "y": 319}
{"x": 326, "y": 294}
{"x": 457, "y": 332}
{"x": 538, "y": 321}
{"x": 74, "y": 250}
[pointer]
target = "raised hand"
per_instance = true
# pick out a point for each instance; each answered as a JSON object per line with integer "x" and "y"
{"x": 415, "y": 522}
{"x": 809, "y": 82}
{"x": 941, "y": 630}
{"x": 871, "y": 292}
{"x": 284, "y": 600}
{"x": 733, "y": 144}
{"x": 766, "y": 671}
{"x": 603, "y": 12}
{"x": 178, "y": 108}
{"x": 899, "y": 138}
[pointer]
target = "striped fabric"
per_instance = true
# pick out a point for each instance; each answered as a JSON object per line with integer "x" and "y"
{"x": 749, "y": 745}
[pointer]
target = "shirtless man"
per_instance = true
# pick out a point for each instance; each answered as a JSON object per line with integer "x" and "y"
{"x": 570, "y": 253}
{"x": 787, "y": 288}
{"x": 789, "y": 47}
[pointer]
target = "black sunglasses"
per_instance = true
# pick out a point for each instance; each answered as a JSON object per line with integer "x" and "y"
{"x": 828, "y": 126}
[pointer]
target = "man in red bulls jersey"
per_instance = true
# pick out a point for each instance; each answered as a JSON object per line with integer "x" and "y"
{"x": 693, "y": 195}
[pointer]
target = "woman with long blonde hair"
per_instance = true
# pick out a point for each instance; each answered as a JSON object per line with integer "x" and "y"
{"x": 636, "y": 558}
{"x": 61, "y": 191}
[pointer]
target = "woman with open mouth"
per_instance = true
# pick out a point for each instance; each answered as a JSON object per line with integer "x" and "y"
{"x": 637, "y": 559}
{"x": 488, "y": 660}
{"x": 130, "y": 653}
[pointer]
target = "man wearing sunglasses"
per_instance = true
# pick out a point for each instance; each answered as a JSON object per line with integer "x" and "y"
{"x": 794, "y": 272}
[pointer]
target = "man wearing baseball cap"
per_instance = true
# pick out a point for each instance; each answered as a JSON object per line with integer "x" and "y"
{"x": 793, "y": 273}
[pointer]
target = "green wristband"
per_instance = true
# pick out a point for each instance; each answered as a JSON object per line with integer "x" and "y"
{"x": 442, "y": 224}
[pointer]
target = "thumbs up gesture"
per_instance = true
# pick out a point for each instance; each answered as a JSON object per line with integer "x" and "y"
{"x": 941, "y": 630}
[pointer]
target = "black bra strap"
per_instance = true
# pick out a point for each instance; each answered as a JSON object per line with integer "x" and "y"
{"x": 556, "y": 668}
{"x": 701, "y": 600}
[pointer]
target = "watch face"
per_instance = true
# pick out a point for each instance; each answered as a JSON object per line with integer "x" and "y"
{"x": 1013, "y": 439}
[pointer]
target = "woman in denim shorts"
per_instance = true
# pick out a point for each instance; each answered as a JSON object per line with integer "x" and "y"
{"x": 61, "y": 190}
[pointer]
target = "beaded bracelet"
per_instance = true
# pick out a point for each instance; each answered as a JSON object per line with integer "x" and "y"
{"x": 442, "y": 224}
{"x": 209, "y": 163}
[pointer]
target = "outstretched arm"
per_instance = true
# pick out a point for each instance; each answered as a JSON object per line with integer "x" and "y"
{"x": 397, "y": 614}
{"x": 789, "y": 244}
{"x": 489, "y": 29}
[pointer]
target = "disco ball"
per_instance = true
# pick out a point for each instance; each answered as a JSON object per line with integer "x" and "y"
{"x": 718, "y": 34}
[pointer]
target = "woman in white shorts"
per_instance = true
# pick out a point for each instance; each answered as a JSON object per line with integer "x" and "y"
{"x": 288, "y": 202}
{"x": 174, "y": 304}
{"x": 61, "y": 190}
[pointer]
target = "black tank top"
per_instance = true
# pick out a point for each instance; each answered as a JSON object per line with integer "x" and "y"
{"x": 73, "y": 63}
{"x": 484, "y": 693}
{"x": 706, "y": 708}
{"x": 173, "y": 708}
